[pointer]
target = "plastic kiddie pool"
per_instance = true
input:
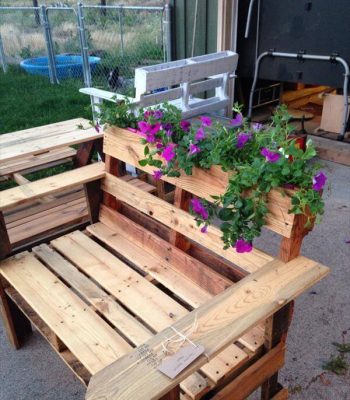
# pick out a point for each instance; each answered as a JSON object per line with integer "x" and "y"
{"x": 67, "y": 66}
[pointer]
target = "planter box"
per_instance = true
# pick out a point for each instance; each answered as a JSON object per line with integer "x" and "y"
{"x": 125, "y": 145}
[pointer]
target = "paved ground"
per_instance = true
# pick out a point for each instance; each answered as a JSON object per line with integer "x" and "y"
{"x": 321, "y": 316}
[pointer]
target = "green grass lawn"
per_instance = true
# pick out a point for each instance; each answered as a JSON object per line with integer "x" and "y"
{"x": 27, "y": 101}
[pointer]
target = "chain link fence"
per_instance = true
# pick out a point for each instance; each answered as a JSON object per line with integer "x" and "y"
{"x": 96, "y": 46}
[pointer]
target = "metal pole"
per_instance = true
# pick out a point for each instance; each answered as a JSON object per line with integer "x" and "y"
{"x": 49, "y": 45}
{"x": 2, "y": 57}
{"x": 84, "y": 47}
{"x": 167, "y": 27}
{"x": 316, "y": 57}
{"x": 121, "y": 31}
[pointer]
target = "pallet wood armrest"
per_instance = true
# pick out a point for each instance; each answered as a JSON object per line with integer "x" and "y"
{"x": 33, "y": 190}
{"x": 218, "y": 323}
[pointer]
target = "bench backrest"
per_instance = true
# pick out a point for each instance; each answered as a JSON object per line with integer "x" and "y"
{"x": 125, "y": 146}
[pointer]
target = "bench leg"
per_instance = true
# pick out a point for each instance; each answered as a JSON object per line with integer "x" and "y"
{"x": 17, "y": 325}
{"x": 174, "y": 394}
{"x": 276, "y": 332}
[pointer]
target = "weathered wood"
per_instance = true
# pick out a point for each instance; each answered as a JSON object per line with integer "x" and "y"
{"x": 5, "y": 245}
{"x": 34, "y": 190}
{"x": 84, "y": 154}
{"x": 253, "y": 299}
{"x": 254, "y": 376}
{"x": 182, "y": 222}
{"x": 281, "y": 395}
{"x": 126, "y": 146}
{"x": 93, "y": 198}
{"x": 17, "y": 326}
{"x": 174, "y": 394}
{"x": 116, "y": 168}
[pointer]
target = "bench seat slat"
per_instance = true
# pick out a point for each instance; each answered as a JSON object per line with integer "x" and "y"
{"x": 89, "y": 338}
{"x": 182, "y": 222}
{"x": 219, "y": 322}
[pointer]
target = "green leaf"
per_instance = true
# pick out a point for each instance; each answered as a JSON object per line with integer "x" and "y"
{"x": 143, "y": 163}
{"x": 146, "y": 150}
{"x": 225, "y": 214}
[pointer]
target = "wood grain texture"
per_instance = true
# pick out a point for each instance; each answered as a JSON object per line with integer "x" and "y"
{"x": 220, "y": 321}
{"x": 34, "y": 190}
{"x": 126, "y": 146}
{"x": 5, "y": 245}
{"x": 89, "y": 338}
{"x": 182, "y": 222}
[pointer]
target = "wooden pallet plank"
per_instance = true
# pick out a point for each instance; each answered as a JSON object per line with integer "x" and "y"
{"x": 89, "y": 338}
{"x": 219, "y": 322}
{"x": 136, "y": 293}
{"x": 100, "y": 300}
{"x": 126, "y": 146}
{"x": 195, "y": 270}
{"x": 34, "y": 190}
{"x": 182, "y": 222}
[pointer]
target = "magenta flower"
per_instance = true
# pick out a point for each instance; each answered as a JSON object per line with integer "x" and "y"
{"x": 169, "y": 153}
{"x": 185, "y": 125}
{"x": 153, "y": 129}
{"x": 148, "y": 113}
{"x": 242, "y": 139}
{"x": 204, "y": 229}
{"x": 269, "y": 155}
{"x": 194, "y": 149}
{"x": 318, "y": 181}
{"x": 206, "y": 121}
{"x": 159, "y": 146}
{"x": 243, "y": 246}
{"x": 237, "y": 120}
{"x": 150, "y": 137}
{"x": 257, "y": 127}
{"x": 157, "y": 174}
{"x": 200, "y": 135}
{"x": 145, "y": 127}
{"x": 198, "y": 208}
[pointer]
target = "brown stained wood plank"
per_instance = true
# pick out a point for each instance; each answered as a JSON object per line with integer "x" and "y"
{"x": 262, "y": 293}
{"x": 174, "y": 394}
{"x": 126, "y": 146}
{"x": 182, "y": 222}
{"x": 66, "y": 355}
{"x": 34, "y": 190}
{"x": 88, "y": 337}
{"x": 130, "y": 288}
{"x": 181, "y": 200}
{"x": 253, "y": 376}
{"x": 281, "y": 395}
{"x": 5, "y": 244}
{"x": 100, "y": 300}
{"x": 93, "y": 195}
{"x": 116, "y": 168}
{"x": 70, "y": 213}
{"x": 84, "y": 154}
{"x": 195, "y": 270}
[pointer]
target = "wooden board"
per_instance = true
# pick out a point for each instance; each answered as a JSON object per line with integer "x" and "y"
{"x": 219, "y": 322}
{"x": 44, "y": 138}
{"x": 31, "y": 191}
{"x": 126, "y": 146}
{"x": 37, "y": 162}
{"x": 182, "y": 222}
{"x": 91, "y": 340}
{"x": 332, "y": 150}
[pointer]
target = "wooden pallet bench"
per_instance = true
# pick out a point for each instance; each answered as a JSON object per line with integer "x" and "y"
{"x": 107, "y": 298}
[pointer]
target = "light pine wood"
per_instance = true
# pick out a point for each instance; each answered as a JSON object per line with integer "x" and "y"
{"x": 220, "y": 321}
{"x": 125, "y": 145}
{"x": 37, "y": 140}
{"x": 100, "y": 300}
{"x": 193, "y": 269}
{"x": 53, "y": 184}
{"x": 182, "y": 222}
{"x": 36, "y": 162}
{"x": 90, "y": 339}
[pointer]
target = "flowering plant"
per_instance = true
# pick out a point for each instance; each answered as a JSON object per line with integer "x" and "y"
{"x": 261, "y": 158}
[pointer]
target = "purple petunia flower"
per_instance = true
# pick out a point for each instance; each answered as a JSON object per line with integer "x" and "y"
{"x": 242, "y": 139}
{"x": 157, "y": 174}
{"x": 200, "y": 135}
{"x": 194, "y": 149}
{"x": 145, "y": 127}
{"x": 159, "y": 145}
{"x": 185, "y": 125}
{"x": 204, "y": 229}
{"x": 169, "y": 153}
{"x": 167, "y": 126}
{"x": 243, "y": 246}
{"x": 158, "y": 114}
{"x": 269, "y": 155}
{"x": 97, "y": 128}
{"x": 199, "y": 208}
{"x": 148, "y": 113}
{"x": 206, "y": 121}
{"x": 257, "y": 127}
{"x": 237, "y": 120}
{"x": 318, "y": 181}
